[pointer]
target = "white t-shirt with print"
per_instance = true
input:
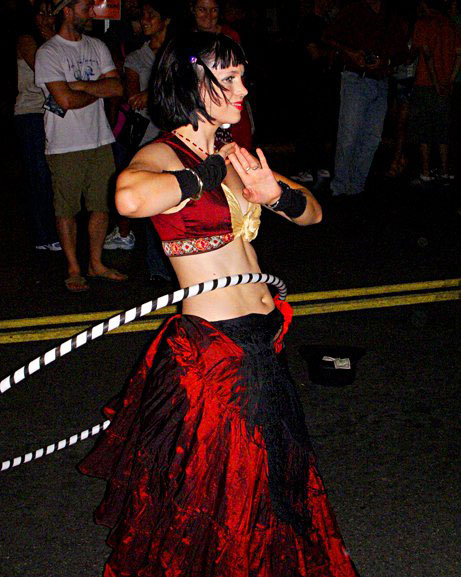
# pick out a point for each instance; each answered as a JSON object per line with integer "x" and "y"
{"x": 64, "y": 60}
{"x": 142, "y": 62}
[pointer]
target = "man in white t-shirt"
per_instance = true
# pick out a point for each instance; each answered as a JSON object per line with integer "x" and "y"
{"x": 76, "y": 73}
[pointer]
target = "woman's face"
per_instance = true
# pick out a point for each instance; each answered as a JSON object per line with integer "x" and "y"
{"x": 43, "y": 17}
{"x": 227, "y": 111}
{"x": 206, "y": 15}
{"x": 151, "y": 21}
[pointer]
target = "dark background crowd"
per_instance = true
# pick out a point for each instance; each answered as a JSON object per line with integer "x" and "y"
{"x": 340, "y": 91}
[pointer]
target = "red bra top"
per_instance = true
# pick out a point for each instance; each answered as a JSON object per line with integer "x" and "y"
{"x": 208, "y": 223}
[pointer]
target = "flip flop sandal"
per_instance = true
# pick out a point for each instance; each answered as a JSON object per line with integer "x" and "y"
{"x": 76, "y": 284}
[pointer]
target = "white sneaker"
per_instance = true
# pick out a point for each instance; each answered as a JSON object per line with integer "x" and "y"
{"x": 305, "y": 176}
{"x": 422, "y": 180}
{"x": 114, "y": 241}
{"x": 53, "y": 247}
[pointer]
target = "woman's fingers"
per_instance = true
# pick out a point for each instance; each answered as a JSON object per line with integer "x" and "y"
{"x": 254, "y": 172}
{"x": 241, "y": 158}
{"x": 262, "y": 158}
{"x": 247, "y": 160}
{"x": 253, "y": 162}
{"x": 238, "y": 166}
{"x": 249, "y": 195}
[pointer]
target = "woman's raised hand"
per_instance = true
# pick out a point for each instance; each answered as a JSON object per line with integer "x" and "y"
{"x": 258, "y": 179}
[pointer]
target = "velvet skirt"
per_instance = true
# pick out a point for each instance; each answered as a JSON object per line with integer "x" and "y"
{"x": 209, "y": 468}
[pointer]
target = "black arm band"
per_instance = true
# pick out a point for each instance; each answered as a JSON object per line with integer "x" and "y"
{"x": 207, "y": 175}
{"x": 190, "y": 183}
{"x": 292, "y": 202}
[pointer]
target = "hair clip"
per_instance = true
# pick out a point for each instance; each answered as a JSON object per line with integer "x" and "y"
{"x": 193, "y": 59}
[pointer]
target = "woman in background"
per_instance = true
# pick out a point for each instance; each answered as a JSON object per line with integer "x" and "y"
{"x": 206, "y": 18}
{"x": 155, "y": 22}
{"x": 37, "y": 27}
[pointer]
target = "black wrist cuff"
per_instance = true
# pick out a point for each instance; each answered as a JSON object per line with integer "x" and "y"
{"x": 189, "y": 182}
{"x": 292, "y": 202}
{"x": 207, "y": 175}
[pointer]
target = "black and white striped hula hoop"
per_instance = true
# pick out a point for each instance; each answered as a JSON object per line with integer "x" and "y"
{"x": 111, "y": 324}
{"x": 59, "y": 446}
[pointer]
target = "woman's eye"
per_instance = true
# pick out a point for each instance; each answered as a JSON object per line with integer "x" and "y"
{"x": 229, "y": 79}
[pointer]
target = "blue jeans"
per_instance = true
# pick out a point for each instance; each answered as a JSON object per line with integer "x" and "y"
{"x": 38, "y": 191}
{"x": 157, "y": 262}
{"x": 360, "y": 126}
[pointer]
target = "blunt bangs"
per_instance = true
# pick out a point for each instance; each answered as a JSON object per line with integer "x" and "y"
{"x": 224, "y": 54}
{"x": 185, "y": 66}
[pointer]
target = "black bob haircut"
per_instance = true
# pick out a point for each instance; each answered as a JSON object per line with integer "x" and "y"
{"x": 184, "y": 66}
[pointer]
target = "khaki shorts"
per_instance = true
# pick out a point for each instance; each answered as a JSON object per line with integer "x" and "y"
{"x": 84, "y": 173}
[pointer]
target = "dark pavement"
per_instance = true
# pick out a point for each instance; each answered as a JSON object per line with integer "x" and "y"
{"x": 388, "y": 445}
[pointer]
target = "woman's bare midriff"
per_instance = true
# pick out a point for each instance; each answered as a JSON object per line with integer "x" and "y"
{"x": 238, "y": 257}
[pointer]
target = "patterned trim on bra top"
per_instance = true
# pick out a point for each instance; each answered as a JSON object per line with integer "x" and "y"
{"x": 183, "y": 247}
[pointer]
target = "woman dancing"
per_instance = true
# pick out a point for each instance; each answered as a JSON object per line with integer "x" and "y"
{"x": 209, "y": 466}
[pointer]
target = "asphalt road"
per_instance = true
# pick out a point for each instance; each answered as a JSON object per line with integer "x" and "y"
{"x": 388, "y": 445}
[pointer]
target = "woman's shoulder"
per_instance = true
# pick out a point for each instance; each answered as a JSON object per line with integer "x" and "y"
{"x": 25, "y": 42}
{"x": 157, "y": 156}
{"x": 138, "y": 56}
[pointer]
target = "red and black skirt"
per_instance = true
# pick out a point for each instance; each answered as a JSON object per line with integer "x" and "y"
{"x": 209, "y": 468}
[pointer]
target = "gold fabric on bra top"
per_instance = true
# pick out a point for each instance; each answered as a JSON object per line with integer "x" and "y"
{"x": 244, "y": 225}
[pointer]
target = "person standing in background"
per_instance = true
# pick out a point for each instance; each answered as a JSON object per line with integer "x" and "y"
{"x": 122, "y": 37}
{"x": 76, "y": 73}
{"x": 371, "y": 41}
{"x": 205, "y": 14}
{"x": 36, "y": 26}
{"x": 139, "y": 63}
{"x": 318, "y": 98}
{"x": 400, "y": 88}
{"x": 155, "y": 22}
{"x": 439, "y": 47}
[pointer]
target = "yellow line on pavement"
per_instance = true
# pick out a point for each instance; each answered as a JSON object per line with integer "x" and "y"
{"x": 299, "y": 310}
{"x": 375, "y": 290}
{"x": 294, "y": 298}
{"x": 70, "y": 319}
{"x": 376, "y": 303}
{"x": 67, "y": 332}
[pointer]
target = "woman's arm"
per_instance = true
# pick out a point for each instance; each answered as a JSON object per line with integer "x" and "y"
{"x": 137, "y": 99}
{"x": 312, "y": 213}
{"x": 145, "y": 189}
{"x": 142, "y": 190}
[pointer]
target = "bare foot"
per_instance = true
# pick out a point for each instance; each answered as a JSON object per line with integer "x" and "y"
{"x": 109, "y": 274}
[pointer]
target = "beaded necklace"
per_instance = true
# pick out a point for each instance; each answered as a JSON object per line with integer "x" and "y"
{"x": 191, "y": 142}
